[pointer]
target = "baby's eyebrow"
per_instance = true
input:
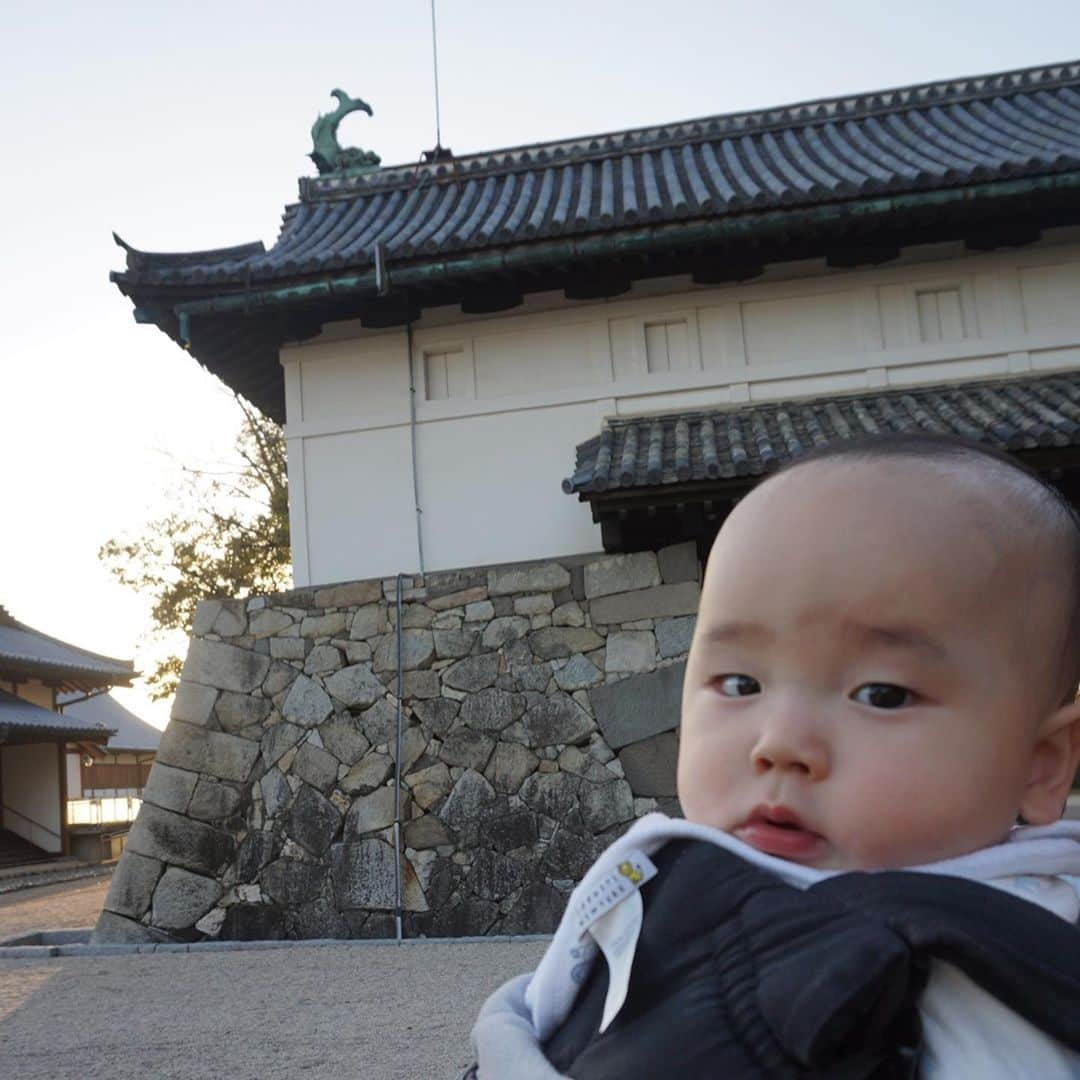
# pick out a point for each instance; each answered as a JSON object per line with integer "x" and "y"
{"x": 900, "y": 637}
{"x": 912, "y": 638}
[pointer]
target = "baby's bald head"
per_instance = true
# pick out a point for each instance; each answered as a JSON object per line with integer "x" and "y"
{"x": 1032, "y": 526}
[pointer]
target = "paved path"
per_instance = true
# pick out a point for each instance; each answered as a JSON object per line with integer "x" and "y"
{"x": 52, "y": 907}
{"x": 370, "y": 1012}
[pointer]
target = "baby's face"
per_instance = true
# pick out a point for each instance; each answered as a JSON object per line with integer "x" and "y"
{"x": 869, "y": 670}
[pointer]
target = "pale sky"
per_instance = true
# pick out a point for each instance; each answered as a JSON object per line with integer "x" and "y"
{"x": 184, "y": 127}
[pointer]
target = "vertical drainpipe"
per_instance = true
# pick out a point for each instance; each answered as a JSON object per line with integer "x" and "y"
{"x": 399, "y": 851}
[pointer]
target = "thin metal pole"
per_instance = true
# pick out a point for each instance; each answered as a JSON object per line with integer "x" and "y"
{"x": 412, "y": 445}
{"x": 397, "y": 773}
{"x": 435, "y": 61}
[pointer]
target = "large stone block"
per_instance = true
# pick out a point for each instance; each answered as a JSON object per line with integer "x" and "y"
{"x": 467, "y": 748}
{"x": 491, "y": 710}
{"x": 253, "y": 922}
{"x": 313, "y": 821}
{"x": 268, "y": 622}
{"x": 417, "y": 651}
{"x": 238, "y": 711}
{"x": 636, "y": 708}
{"x": 537, "y": 911}
{"x": 578, "y": 673}
{"x": 171, "y": 838}
{"x": 555, "y": 642}
{"x": 193, "y": 703}
{"x": 426, "y": 832}
{"x": 307, "y": 703}
{"x": 370, "y": 813}
{"x": 502, "y": 630}
{"x": 557, "y": 719}
{"x": 364, "y": 875}
{"x": 132, "y": 885}
{"x": 472, "y": 795}
{"x": 509, "y": 766}
{"x": 367, "y": 774}
{"x": 659, "y": 602}
{"x": 182, "y": 898}
{"x": 494, "y": 875}
{"x": 169, "y": 788}
{"x": 255, "y": 851}
{"x": 227, "y": 618}
{"x": 552, "y": 794}
{"x": 679, "y": 562}
{"x": 356, "y": 686}
{"x": 621, "y": 573}
{"x": 630, "y": 650}
{"x": 351, "y": 594}
{"x": 472, "y": 674}
{"x": 228, "y": 757}
{"x": 279, "y": 738}
{"x": 673, "y": 636}
{"x": 226, "y": 667}
{"x": 429, "y": 785}
{"x": 379, "y": 723}
{"x": 323, "y": 626}
{"x": 437, "y": 715}
{"x": 604, "y": 805}
{"x": 291, "y": 882}
{"x": 452, "y": 643}
{"x": 275, "y": 790}
{"x": 650, "y": 765}
{"x": 322, "y": 660}
{"x": 341, "y": 735}
{"x": 113, "y": 929}
{"x": 213, "y": 801}
{"x": 369, "y": 622}
{"x": 541, "y": 577}
{"x": 316, "y": 766}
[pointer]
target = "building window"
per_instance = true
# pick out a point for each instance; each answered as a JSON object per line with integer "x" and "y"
{"x": 667, "y": 346}
{"x": 448, "y": 373}
{"x": 941, "y": 314}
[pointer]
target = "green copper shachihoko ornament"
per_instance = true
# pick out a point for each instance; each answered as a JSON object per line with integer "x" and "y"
{"x": 327, "y": 153}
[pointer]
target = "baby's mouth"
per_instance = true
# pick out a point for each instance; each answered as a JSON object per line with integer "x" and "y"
{"x": 776, "y": 830}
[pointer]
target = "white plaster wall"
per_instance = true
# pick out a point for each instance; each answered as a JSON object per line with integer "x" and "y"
{"x": 74, "y": 776}
{"x": 484, "y": 476}
{"x": 31, "y": 785}
{"x": 501, "y": 401}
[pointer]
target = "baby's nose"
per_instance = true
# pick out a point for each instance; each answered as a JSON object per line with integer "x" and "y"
{"x": 790, "y": 748}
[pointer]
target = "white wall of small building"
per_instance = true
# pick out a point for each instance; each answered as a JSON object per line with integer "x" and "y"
{"x": 31, "y": 784}
{"x": 502, "y": 400}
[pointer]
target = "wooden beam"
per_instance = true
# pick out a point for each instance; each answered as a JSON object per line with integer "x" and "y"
{"x": 61, "y": 755}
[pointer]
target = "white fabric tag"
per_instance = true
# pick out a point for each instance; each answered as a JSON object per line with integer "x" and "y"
{"x": 625, "y": 878}
{"x": 611, "y": 913}
{"x": 616, "y": 932}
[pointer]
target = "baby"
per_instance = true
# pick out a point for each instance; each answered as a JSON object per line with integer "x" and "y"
{"x": 883, "y": 675}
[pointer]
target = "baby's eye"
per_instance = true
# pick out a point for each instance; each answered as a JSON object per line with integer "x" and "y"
{"x": 882, "y": 695}
{"x": 736, "y": 685}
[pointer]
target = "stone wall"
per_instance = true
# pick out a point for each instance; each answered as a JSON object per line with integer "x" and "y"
{"x": 539, "y": 712}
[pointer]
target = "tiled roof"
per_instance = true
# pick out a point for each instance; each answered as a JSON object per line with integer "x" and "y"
{"x": 748, "y": 441}
{"x": 22, "y": 647}
{"x": 16, "y": 713}
{"x": 131, "y": 733}
{"x": 933, "y": 136}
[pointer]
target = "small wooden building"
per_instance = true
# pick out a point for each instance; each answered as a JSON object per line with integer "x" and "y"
{"x": 36, "y": 737}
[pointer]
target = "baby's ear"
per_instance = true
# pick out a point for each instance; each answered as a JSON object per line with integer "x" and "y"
{"x": 1054, "y": 761}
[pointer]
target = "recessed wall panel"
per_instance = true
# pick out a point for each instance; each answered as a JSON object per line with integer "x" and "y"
{"x": 803, "y": 329}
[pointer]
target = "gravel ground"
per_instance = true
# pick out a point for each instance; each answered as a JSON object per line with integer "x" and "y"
{"x": 362, "y": 1012}
{"x": 52, "y": 907}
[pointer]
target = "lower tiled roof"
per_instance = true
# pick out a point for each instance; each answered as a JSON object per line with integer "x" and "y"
{"x": 726, "y": 444}
{"x": 24, "y": 715}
